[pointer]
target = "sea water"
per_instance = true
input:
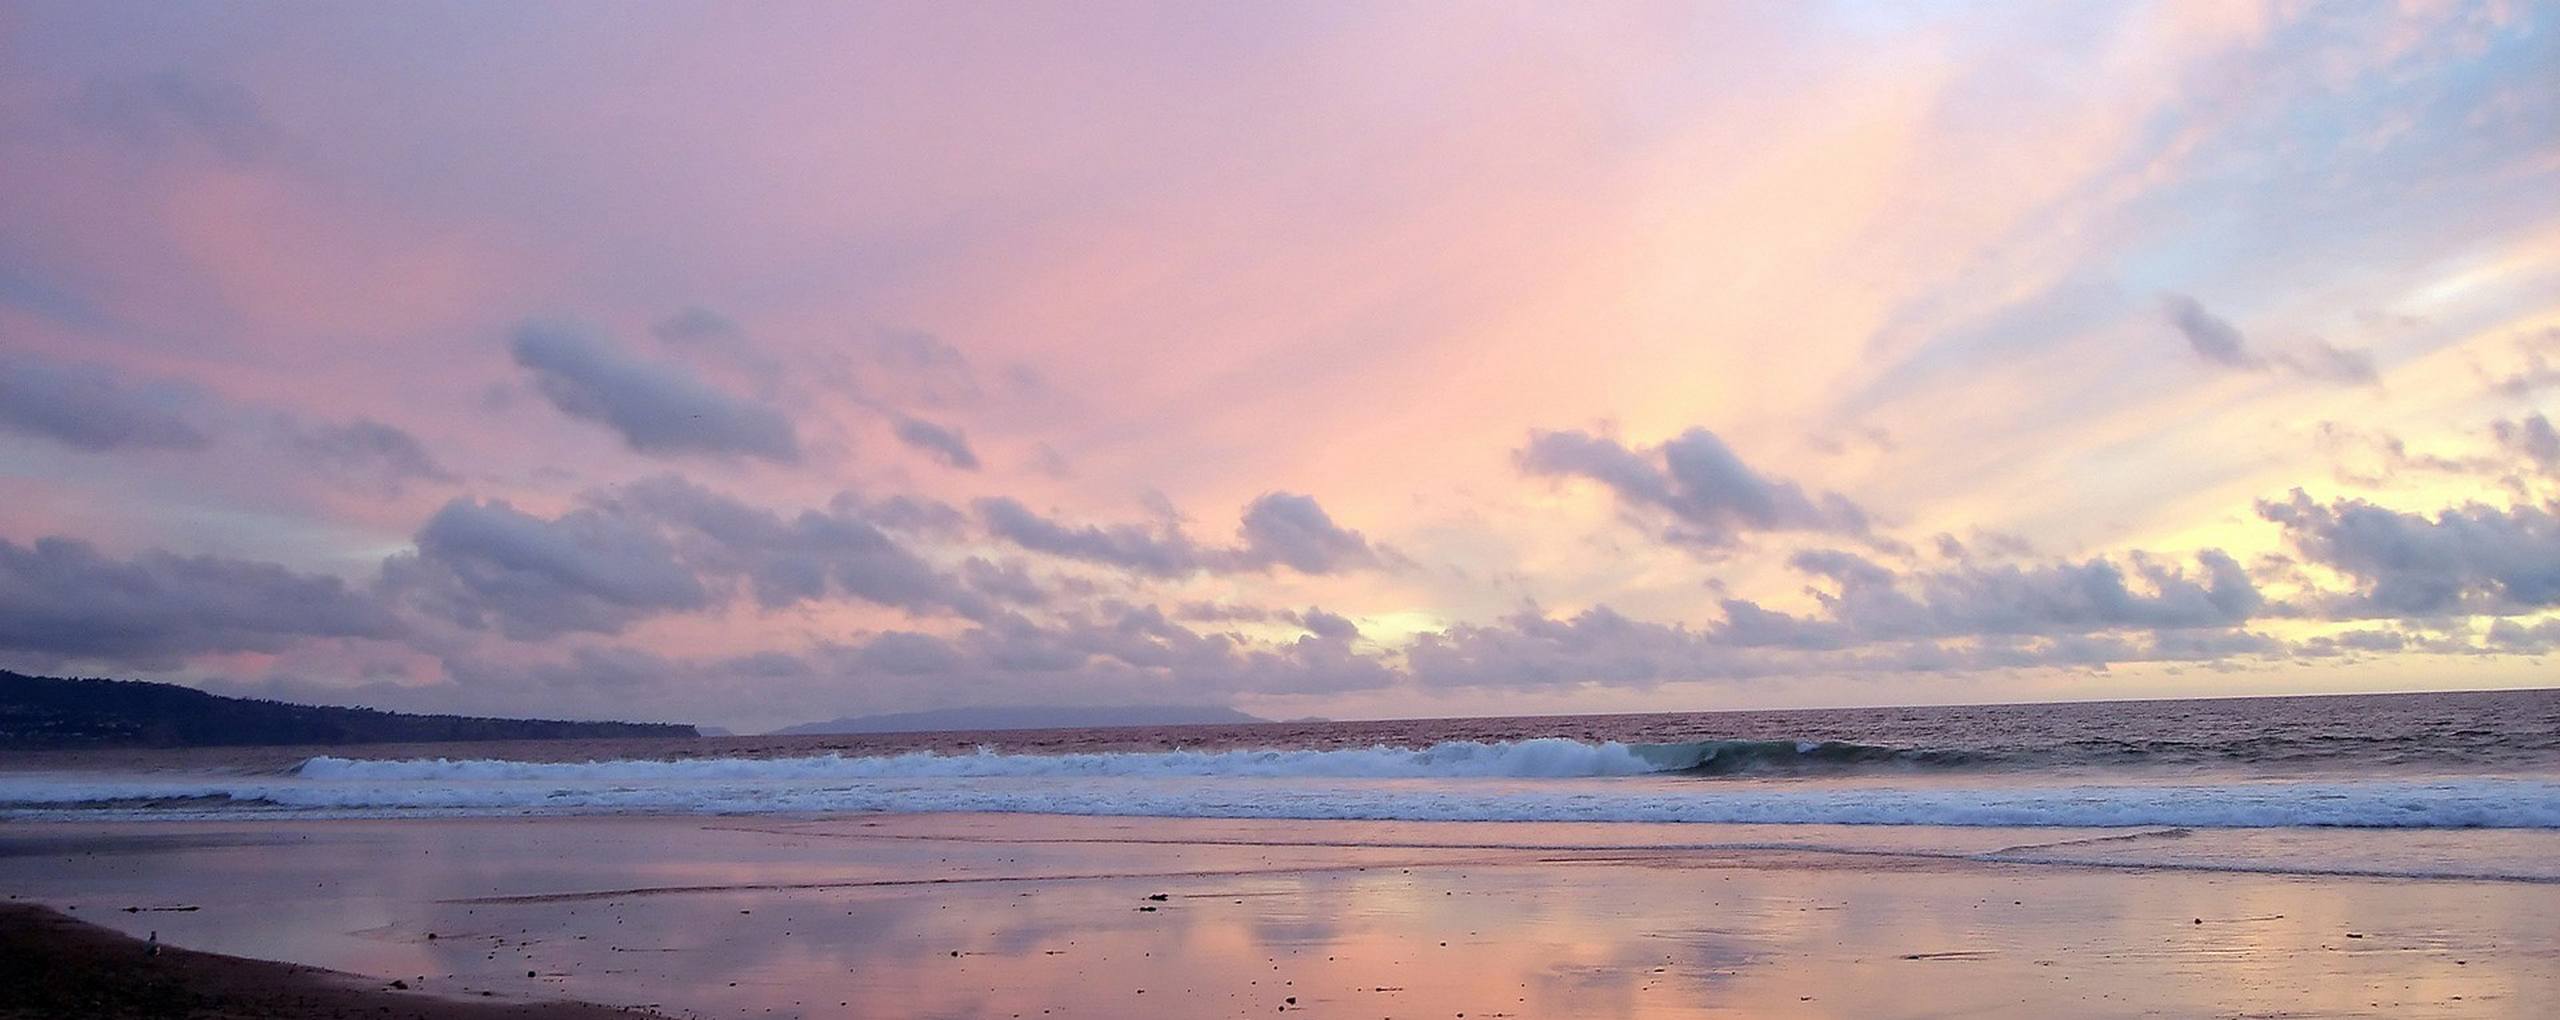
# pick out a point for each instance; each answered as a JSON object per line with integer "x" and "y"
{"x": 2416, "y": 761}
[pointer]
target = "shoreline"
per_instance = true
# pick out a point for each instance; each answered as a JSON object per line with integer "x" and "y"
{"x": 53, "y": 964}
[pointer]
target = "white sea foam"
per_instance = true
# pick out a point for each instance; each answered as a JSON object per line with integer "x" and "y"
{"x": 1549, "y": 757}
{"x": 1538, "y": 780}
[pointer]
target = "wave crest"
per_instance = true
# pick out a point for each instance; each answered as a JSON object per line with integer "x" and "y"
{"x": 1543, "y": 758}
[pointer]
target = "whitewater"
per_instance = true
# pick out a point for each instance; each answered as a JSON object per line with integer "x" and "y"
{"x": 1532, "y": 780}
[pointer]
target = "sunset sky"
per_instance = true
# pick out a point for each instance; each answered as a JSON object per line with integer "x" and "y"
{"x": 749, "y": 364}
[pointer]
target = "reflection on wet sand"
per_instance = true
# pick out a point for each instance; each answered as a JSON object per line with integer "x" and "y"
{"x": 973, "y": 916}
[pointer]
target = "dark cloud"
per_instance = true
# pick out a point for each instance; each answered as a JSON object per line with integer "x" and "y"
{"x": 911, "y": 514}
{"x": 365, "y": 452}
{"x": 1330, "y": 626}
{"x": 2212, "y": 338}
{"x": 1877, "y": 618}
{"x": 1159, "y": 552}
{"x": 2516, "y": 638}
{"x": 1219, "y": 612}
{"x": 2531, "y": 437}
{"x": 2354, "y": 642}
{"x": 1102, "y": 655}
{"x": 812, "y": 555}
{"x": 944, "y": 444}
{"x": 33, "y": 291}
{"x": 1713, "y": 497}
{"x": 1138, "y": 653}
{"x": 1009, "y": 582}
{"x": 667, "y": 545}
{"x": 1291, "y": 529}
{"x": 1278, "y": 529}
{"x": 2471, "y": 558}
{"x": 655, "y": 408}
{"x": 1872, "y": 603}
{"x": 173, "y": 107}
{"x": 693, "y": 325}
{"x": 2215, "y": 339}
{"x": 489, "y": 565}
{"x": 1601, "y": 646}
{"x": 88, "y": 407}
{"x": 62, "y": 599}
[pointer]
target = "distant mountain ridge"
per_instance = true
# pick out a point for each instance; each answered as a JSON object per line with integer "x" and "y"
{"x": 1025, "y": 717}
{"x": 54, "y": 712}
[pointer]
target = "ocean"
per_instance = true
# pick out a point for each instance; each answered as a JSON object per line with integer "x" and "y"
{"x": 2480, "y": 760}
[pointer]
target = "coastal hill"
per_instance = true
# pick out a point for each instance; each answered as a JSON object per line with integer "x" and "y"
{"x": 52, "y": 712}
{"x": 1026, "y": 717}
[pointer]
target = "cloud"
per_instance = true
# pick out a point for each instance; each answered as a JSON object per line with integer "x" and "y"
{"x": 1129, "y": 653}
{"x": 486, "y": 565}
{"x": 2375, "y": 458}
{"x": 1220, "y": 612}
{"x": 2538, "y": 638}
{"x": 2318, "y": 359}
{"x": 2216, "y": 340}
{"x": 1871, "y": 603}
{"x": 1009, "y": 582}
{"x": 1601, "y": 646}
{"x": 2213, "y": 338}
{"x": 1278, "y": 529}
{"x": 917, "y": 366}
{"x": 88, "y": 407}
{"x": 2354, "y": 642}
{"x": 365, "y": 451}
{"x": 22, "y": 288}
{"x": 657, "y": 409}
{"x": 1107, "y": 655}
{"x": 2531, "y": 437}
{"x": 1596, "y": 646}
{"x": 2467, "y": 559}
{"x": 1713, "y": 497}
{"x": 946, "y": 445}
{"x": 694, "y": 324}
{"x": 1875, "y": 618}
{"x": 812, "y": 555}
{"x": 1157, "y": 552}
{"x": 1291, "y": 529}
{"x": 171, "y": 107}
{"x": 905, "y": 653}
{"x": 2537, "y": 370}
{"x": 60, "y": 598}
{"x": 667, "y": 545}
{"x": 1330, "y": 626}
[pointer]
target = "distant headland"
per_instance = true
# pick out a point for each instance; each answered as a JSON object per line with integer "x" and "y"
{"x": 39, "y": 712}
{"x": 1027, "y": 717}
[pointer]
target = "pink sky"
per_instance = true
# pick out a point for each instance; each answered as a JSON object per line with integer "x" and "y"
{"x": 755, "y": 364}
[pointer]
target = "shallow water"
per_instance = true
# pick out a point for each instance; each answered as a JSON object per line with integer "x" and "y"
{"x": 992, "y": 916}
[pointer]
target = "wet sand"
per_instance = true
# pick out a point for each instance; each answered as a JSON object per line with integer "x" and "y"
{"x": 53, "y": 965}
{"x": 998, "y": 916}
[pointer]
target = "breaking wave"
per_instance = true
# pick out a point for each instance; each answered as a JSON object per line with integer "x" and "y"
{"x": 1551, "y": 758}
{"x": 1544, "y": 758}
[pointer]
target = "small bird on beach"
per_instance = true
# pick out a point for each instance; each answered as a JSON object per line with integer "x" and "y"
{"x": 151, "y": 945}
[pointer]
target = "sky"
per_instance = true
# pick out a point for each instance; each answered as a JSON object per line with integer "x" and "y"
{"x": 754, "y": 364}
